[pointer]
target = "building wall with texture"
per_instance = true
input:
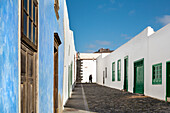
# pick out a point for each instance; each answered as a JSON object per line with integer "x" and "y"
{"x": 48, "y": 25}
{"x": 9, "y": 56}
{"x": 10, "y": 50}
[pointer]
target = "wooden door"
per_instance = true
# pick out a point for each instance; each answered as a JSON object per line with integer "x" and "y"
{"x": 168, "y": 80}
{"x": 56, "y": 105}
{"x": 55, "y": 80}
{"x": 139, "y": 77}
{"x": 27, "y": 81}
{"x": 126, "y": 74}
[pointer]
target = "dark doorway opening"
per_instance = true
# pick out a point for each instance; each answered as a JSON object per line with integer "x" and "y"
{"x": 126, "y": 74}
{"x": 57, "y": 42}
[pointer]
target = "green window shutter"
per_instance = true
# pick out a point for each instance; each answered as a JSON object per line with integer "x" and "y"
{"x": 113, "y": 71}
{"x": 157, "y": 74}
{"x": 119, "y": 70}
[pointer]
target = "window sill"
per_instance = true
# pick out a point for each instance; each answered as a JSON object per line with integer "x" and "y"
{"x": 30, "y": 44}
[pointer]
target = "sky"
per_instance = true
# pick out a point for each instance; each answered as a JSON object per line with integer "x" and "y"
{"x": 111, "y": 23}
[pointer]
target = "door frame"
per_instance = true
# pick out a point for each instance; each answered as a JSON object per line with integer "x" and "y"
{"x": 134, "y": 74}
{"x": 166, "y": 80}
{"x": 57, "y": 42}
{"x": 126, "y": 78}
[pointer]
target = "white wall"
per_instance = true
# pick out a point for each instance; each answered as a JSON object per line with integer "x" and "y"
{"x": 89, "y": 68}
{"x": 135, "y": 49}
{"x": 89, "y": 55}
{"x": 159, "y": 44}
{"x": 99, "y": 68}
{"x": 153, "y": 47}
{"x": 69, "y": 56}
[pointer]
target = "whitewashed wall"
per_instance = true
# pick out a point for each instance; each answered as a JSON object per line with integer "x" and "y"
{"x": 151, "y": 46}
{"x": 89, "y": 66}
{"x": 159, "y": 45}
{"x": 99, "y": 68}
{"x": 69, "y": 56}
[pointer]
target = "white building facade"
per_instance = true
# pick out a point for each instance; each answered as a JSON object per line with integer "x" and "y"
{"x": 88, "y": 66}
{"x": 139, "y": 66}
{"x": 69, "y": 76}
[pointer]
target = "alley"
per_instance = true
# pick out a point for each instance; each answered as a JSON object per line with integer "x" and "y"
{"x": 102, "y": 99}
{"x": 77, "y": 103}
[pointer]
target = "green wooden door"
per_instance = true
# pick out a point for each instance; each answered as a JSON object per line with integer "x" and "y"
{"x": 126, "y": 74}
{"x": 168, "y": 79}
{"x": 139, "y": 77}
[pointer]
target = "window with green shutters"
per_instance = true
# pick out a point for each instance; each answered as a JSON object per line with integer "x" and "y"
{"x": 157, "y": 74}
{"x": 119, "y": 70}
{"x": 113, "y": 71}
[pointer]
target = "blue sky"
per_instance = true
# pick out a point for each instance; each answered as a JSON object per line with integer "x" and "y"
{"x": 111, "y": 23}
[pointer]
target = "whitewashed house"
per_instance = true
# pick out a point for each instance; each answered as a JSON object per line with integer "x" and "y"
{"x": 69, "y": 76}
{"x": 88, "y": 67}
{"x": 142, "y": 65}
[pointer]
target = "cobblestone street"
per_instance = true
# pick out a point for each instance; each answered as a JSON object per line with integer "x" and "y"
{"x": 102, "y": 99}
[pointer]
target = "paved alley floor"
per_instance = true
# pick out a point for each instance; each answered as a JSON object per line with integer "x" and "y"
{"x": 93, "y": 98}
{"x": 77, "y": 103}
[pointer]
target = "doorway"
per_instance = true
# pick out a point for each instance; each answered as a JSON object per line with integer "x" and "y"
{"x": 28, "y": 75}
{"x": 126, "y": 74}
{"x": 55, "y": 79}
{"x": 57, "y": 42}
{"x": 139, "y": 76}
{"x": 168, "y": 81}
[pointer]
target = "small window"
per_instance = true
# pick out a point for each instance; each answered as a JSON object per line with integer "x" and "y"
{"x": 113, "y": 71}
{"x": 157, "y": 74}
{"x": 105, "y": 72}
{"x": 119, "y": 70}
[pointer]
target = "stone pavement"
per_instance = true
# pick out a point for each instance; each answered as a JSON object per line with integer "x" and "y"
{"x": 101, "y": 99}
{"x": 77, "y": 103}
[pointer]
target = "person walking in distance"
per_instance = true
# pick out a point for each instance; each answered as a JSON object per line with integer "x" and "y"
{"x": 90, "y": 78}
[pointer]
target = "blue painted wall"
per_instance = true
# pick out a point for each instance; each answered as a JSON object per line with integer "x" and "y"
{"x": 61, "y": 47}
{"x": 8, "y": 56}
{"x": 48, "y": 25}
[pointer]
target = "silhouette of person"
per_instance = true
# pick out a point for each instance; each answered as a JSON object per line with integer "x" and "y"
{"x": 90, "y": 79}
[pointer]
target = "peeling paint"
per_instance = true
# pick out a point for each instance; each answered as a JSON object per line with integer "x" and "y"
{"x": 8, "y": 56}
{"x": 48, "y": 25}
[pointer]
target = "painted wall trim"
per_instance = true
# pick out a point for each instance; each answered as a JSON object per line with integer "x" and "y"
{"x": 166, "y": 80}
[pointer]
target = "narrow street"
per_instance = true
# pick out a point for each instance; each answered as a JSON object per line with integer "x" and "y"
{"x": 93, "y": 98}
